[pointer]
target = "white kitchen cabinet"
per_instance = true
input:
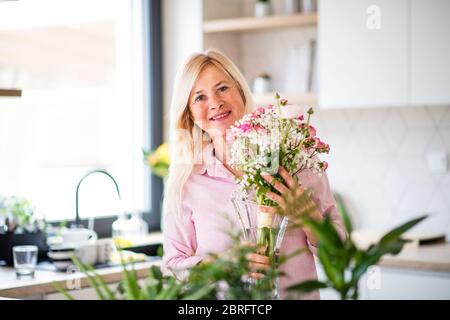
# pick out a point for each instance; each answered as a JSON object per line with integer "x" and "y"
{"x": 406, "y": 284}
{"x": 386, "y": 283}
{"x": 430, "y": 52}
{"x": 361, "y": 65}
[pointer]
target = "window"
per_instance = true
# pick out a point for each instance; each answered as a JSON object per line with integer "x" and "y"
{"x": 84, "y": 105}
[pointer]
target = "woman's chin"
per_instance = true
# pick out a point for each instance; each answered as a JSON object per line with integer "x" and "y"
{"x": 220, "y": 128}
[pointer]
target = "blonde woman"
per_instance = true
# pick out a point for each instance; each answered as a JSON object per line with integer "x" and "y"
{"x": 210, "y": 94}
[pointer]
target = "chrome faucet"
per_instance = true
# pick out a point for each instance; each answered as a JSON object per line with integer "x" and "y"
{"x": 77, "y": 223}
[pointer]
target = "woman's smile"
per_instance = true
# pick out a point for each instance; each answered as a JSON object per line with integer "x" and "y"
{"x": 221, "y": 116}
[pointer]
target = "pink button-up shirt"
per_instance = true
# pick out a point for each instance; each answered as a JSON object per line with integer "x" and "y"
{"x": 206, "y": 212}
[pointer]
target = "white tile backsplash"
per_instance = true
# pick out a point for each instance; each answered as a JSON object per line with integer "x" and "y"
{"x": 415, "y": 142}
{"x": 378, "y": 163}
{"x": 445, "y": 123}
{"x": 438, "y": 113}
{"x": 394, "y": 130}
{"x": 417, "y": 118}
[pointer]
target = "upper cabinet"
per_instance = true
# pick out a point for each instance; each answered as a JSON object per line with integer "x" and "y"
{"x": 384, "y": 53}
{"x": 280, "y": 46}
{"x": 430, "y": 52}
{"x": 362, "y": 53}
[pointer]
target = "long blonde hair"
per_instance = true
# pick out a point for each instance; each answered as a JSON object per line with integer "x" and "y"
{"x": 186, "y": 138}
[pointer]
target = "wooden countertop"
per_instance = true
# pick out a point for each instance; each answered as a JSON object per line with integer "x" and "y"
{"x": 424, "y": 257}
{"x": 10, "y": 287}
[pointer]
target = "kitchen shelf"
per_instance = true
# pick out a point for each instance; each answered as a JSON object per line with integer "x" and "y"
{"x": 262, "y": 23}
{"x": 10, "y": 93}
{"x": 306, "y": 99}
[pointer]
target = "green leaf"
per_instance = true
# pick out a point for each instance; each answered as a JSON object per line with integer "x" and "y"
{"x": 101, "y": 283}
{"x": 397, "y": 232}
{"x": 200, "y": 293}
{"x": 92, "y": 281}
{"x": 326, "y": 233}
{"x": 308, "y": 286}
{"x": 344, "y": 213}
{"x": 334, "y": 274}
{"x": 62, "y": 290}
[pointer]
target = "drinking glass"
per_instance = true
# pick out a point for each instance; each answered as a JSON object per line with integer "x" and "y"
{"x": 25, "y": 259}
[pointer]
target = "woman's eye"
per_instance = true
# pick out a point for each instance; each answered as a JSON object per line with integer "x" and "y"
{"x": 222, "y": 89}
{"x": 199, "y": 98}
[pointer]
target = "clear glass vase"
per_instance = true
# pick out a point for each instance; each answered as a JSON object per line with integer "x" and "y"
{"x": 261, "y": 229}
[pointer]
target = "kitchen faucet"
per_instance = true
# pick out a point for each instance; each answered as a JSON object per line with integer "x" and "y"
{"x": 77, "y": 223}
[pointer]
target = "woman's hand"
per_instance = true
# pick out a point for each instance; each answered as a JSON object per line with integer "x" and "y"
{"x": 257, "y": 262}
{"x": 289, "y": 185}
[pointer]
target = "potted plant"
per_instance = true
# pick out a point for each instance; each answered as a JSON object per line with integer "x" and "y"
{"x": 19, "y": 225}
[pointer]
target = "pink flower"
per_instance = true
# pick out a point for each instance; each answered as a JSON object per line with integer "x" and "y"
{"x": 312, "y": 131}
{"x": 260, "y": 129}
{"x": 260, "y": 110}
{"x": 322, "y": 146}
{"x": 301, "y": 117}
{"x": 324, "y": 165}
{"x": 244, "y": 127}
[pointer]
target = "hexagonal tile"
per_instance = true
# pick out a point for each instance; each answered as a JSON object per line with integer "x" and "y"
{"x": 372, "y": 143}
{"x": 374, "y": 169}
{"x": 334, "y": 120}
{"x": 369, "y": 205}
{"x": 445, "y": 123}
{"x": 416, "y": 171}
{"x": 415, "y": 142}
{"x": 394, "y": 184}
{"x": 445, "y": 190}
{"x": 437, "y": 144}
{"x": 438, "y": 113}
{"x": 417, "y": 118}
{"x": 439, "y": 214}
{"x": 340, "y": 141}
{"x": 371, "y": 118}
{"x": 393, "y": 130}
{"x": 414, "y": 201}
{"x": 445, "y": 136}
{"x": 353, "y": 116}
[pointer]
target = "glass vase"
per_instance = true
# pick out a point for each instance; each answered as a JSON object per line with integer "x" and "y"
{"x": 261, "y": 229}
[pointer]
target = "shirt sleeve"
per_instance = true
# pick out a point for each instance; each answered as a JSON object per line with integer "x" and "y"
{"x": 179, "y": 243}
{"x": 324, "y": 199}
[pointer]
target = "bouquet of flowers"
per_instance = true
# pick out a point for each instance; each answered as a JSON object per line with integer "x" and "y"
{"x": 278, "y": 135}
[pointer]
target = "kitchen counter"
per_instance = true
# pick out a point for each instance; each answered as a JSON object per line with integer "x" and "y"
{"x": 10, "y": 287}
{"x": 424, "y": 257}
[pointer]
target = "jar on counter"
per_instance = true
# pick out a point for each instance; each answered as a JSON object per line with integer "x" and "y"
{"x": 291, "y": 6}
{"x": 262, "y": 8}
{"x": 262, "y": 84}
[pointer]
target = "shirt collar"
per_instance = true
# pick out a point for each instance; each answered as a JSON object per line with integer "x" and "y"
{"x": 212, "y": 166}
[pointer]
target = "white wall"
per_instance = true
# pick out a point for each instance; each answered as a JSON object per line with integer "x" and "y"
{"x": 182, "y": 36}
{"x": 378, "y": 163}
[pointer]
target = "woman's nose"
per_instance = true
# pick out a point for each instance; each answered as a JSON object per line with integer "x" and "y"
{"x": 215, "y": 103}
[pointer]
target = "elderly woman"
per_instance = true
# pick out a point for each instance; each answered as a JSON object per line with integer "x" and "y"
{"x": 210, "y": 94}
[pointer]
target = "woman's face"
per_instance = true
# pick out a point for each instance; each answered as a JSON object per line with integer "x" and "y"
{"x": 215, "y": 102}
